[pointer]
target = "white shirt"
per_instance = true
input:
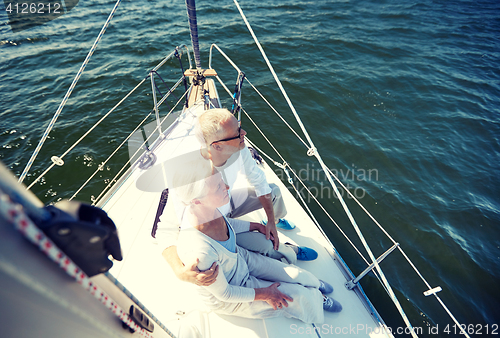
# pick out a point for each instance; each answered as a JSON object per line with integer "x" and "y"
{"x": 240, "y": 167}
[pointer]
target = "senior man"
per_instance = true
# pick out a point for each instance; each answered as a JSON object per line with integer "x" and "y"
{"x": 223, "y": 142}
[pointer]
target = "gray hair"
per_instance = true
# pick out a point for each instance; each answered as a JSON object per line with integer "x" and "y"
{"x": 208, "y": 125}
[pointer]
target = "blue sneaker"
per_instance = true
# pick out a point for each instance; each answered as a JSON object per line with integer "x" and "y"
{"x": 324, "y": 287}
{"x": 283, "y": 224}
{"x": 306, "y": 254}
{"x": 331, "y": 305}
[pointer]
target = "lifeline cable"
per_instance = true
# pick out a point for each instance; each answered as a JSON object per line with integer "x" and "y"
{"x": 68, "y": 93}
{"x": 313, "y": 152}
{"x": 100, "y": 120}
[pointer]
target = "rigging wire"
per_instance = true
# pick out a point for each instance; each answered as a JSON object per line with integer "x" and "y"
{"x": 279, "y": 115}
{"x": 299, "y": 180}
{"x": 319, "y": 204}
{"x": 277, "y": 163}
{"x": 283, "y": 167}
{"x": 68, "y": 93}
{"x": 254, "y": 88}
{"x": 313, "y": 197}
{"x": 85, "y": 134}
{"x": 100, "y": 166}
{"x": 104, "y": 117}
{"x": 312, "y": 151}
{"x": 340, "y": 229}
{"x": 125, "y": 165}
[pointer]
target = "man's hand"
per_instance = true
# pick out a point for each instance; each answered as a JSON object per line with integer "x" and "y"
{"x": 190, "y": 274}
{"x": 263, "y": 229}
{"x": 271, "y": 232}
{"x": 195, "y": 276}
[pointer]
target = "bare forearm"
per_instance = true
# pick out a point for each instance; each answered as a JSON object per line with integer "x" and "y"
{"x": 267, "y": 204}
{"x": 271, "y": 232}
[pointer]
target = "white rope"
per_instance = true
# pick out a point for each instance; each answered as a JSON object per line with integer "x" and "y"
{"x": 255, "y": 88}
{"x": 224, "y": 55}
{"x": 279, "y": 115}
{"x": 68, "y": 93}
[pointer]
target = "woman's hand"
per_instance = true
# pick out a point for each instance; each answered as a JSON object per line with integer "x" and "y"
{"x": 273, "y": 296}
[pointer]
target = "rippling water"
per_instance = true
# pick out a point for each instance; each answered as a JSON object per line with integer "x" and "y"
{"x": 400, "y": 97}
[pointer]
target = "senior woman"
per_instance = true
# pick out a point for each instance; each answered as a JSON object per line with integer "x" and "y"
{"x": 250, "y": 285}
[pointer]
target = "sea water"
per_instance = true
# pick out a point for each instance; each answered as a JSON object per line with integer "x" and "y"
{"x": 401, "y": 98}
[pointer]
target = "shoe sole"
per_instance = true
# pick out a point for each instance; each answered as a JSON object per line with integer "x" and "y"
{"x": 286, "y": 229}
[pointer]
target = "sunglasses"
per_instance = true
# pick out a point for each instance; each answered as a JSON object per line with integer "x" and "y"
{"x": 230, "y": 138}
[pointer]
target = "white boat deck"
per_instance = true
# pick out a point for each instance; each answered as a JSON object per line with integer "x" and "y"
{"x": 147, "y": 276}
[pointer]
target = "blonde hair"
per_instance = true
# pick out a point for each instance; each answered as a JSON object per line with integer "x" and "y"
{"x": 189, "y": 179}
{"x": 209, "y": 124}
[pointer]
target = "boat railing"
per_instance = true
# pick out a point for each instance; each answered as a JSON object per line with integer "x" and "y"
{"x": 312, "y": 151}
{"x": 143, "y": 152}
{"x": 143, "y": 149}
